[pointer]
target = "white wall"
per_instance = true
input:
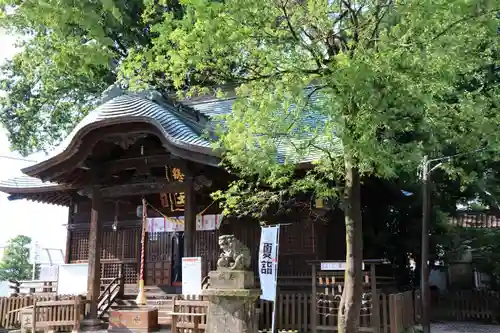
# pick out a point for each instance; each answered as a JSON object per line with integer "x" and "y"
{"x": 4, "y": 289}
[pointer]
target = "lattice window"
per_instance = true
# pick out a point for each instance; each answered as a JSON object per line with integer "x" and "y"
{"x": 131, "y": 241}
{"x": 79, "y": 245}
{"x": 111, "y": 245}
{"x": 160, "y": 247}
{"x": 130, "y": 273}
{"x": 110, "y": 270}
{"x": 207, "y": 247}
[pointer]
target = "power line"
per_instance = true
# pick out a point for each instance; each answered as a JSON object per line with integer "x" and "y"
{"x": 17, "y": 158}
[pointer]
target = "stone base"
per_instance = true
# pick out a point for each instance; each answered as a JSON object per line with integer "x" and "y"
{"x": 231, "y": 310}
{"x": 231, "y": 293}
{"x": 229, "y": 279}
{"x": 91, "y": 325}
{"x": 139, "y": 320}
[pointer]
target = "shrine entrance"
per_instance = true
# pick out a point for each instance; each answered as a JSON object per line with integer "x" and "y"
{"x": 164, "y": 258}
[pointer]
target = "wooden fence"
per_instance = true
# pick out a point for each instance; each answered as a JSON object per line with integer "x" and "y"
{"x": 10, "y": 318}
{"x": 397, "y": 312}
{"x": 464, "y": 305}
{"x": 294, "y": 312}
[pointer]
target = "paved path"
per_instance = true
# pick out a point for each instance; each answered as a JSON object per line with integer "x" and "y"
{"x": 464, "y": 327}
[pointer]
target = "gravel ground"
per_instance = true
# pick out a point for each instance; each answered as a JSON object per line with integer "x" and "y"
{"x": 464, "y": 327}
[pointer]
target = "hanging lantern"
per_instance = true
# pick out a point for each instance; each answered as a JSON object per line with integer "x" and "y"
{"x": 115, "y": 223}
{"x": 139, "y": 211}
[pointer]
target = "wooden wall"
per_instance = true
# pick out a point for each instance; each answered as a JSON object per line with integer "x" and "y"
{"x": 300, "y": 240}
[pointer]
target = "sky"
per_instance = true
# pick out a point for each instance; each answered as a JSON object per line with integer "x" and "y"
{"x": 43, "y": 223}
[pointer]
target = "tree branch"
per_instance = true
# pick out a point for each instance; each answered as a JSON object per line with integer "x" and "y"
{"x": 297, "y": 37}
{"x": 462, "y": 20}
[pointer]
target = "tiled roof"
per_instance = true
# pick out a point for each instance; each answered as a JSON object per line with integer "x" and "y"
{"x": 176, "y": 126}
{"x": 476, "y": 220}
{"x": 130, "y": 107}
{"x": 26, "y": 182}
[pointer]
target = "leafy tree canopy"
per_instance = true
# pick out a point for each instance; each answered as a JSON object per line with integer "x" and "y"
{"x": 69, "y": 55}
{"x": 362, "y": 87}
{"x": 15, "y": 264}
{"x": 387, "y": 77}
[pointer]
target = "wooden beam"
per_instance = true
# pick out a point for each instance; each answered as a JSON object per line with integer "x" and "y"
{"x": 94, "y": 272}
{"x": 138, "y": 189}
{"x": 151, "y": 161}
{"x": 152, "y": 186}
{"x": 189, "y": 219}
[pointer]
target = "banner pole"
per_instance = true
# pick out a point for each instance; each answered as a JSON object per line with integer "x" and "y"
{"x": 275, "y": 313}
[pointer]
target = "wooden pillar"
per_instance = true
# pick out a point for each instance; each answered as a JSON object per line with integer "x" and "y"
{"x": 189, "y": 221}
{"x": 67, "y": 254}
{"x": 314, "y": 300}
{"x": 95, "y": 236}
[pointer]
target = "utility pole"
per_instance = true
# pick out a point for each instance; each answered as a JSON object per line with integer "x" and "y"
{"x": 426, "y": 205}
{"x": 424, "y": 280}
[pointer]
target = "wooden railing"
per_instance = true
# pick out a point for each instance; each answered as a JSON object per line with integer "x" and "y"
{"x": 189, "y": 315}
{"x": 33, "y": 287}
{"x": 108, "y": 296}
{"x": 11, "y": 307}
{"x": 62, "y": 315}
{"x": 397, "y": 313}
{"x": 45, "y": 287}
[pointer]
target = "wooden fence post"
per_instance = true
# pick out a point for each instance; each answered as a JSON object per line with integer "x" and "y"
{"x": 76, "y": 313}
{"x": 314, "y": 308}
{"x": 375, "y": 317}
{"x": 33, "y": 317}
{"x": 392, "y": 314}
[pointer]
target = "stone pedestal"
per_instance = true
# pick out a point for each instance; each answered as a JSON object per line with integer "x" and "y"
{"x": 231, "y": 307}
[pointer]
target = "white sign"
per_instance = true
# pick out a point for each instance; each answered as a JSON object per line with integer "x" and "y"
{"x": 336, "y": 266}
{"x": 35, "y": 253}
{"x": 191, "y": 275}
{"x": 72, "y": 279}
{"x": 48, "y": 273}
{"x": 268, "y": 262}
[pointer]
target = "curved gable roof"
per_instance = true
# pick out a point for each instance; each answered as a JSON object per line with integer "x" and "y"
{"x": 175, "y": 128}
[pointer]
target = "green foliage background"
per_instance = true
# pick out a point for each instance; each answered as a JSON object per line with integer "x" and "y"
{"x": 15, "y": 264}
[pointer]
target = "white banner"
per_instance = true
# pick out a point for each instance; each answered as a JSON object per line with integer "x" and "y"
{"x": 208, "y": 222}
{"x": 174, "y": 224}
{"x": 268, "y": 262}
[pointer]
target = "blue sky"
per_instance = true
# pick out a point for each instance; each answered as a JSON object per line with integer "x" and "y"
{"x": 43, "y": 223}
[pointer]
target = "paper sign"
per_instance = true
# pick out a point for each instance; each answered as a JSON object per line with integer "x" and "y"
{"x": 335, "y": 266}
{"x": 191, "y": 275}
{"x": 72, "y": 279}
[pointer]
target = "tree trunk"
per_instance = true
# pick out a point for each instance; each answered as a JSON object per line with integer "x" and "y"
{"x": 350, "y": 305}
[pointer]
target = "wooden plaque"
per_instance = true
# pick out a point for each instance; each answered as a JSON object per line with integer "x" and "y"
{"x": 141, "y": 320}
